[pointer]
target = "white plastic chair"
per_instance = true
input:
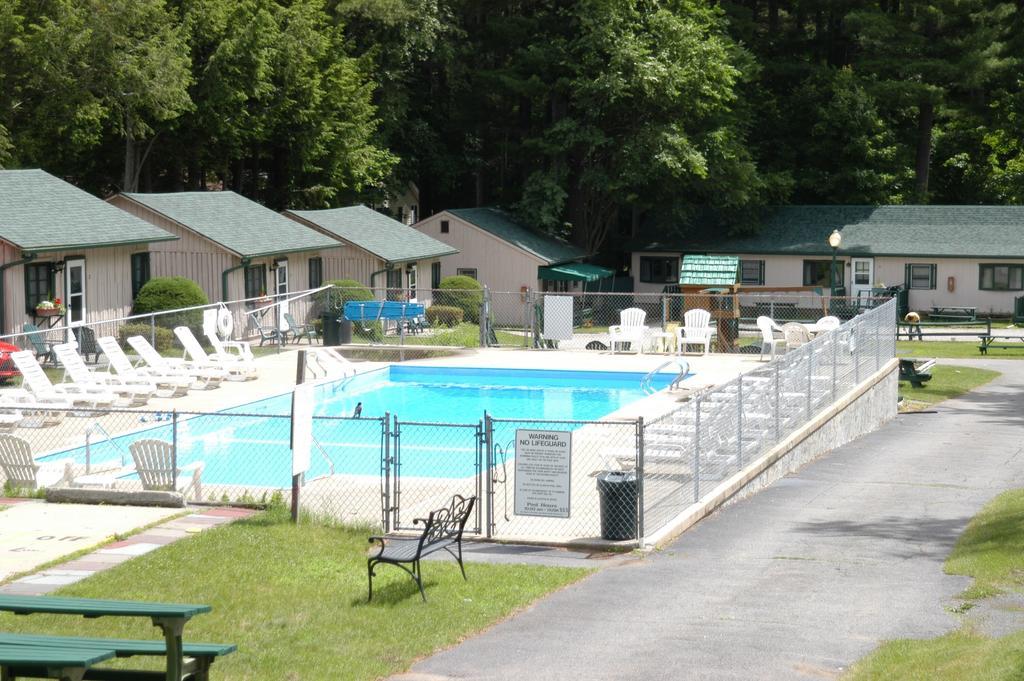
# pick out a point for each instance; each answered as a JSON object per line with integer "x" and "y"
{"x": 23, "y": 472}
{"x": 829, "y": 323}
{"x": 239, "y": 368}
{"x": 167, "y": 385}
{"x": 154, "y": 463}
{"x": 630, "y": 329}
{"x": 202, "y": 376}
{"x": 135, "y": 392}
{"x": 769, "y": 341}
{"x": 795, "y": 334}
{"x": 33, "y": 376}
{"x": 696, "y": 330}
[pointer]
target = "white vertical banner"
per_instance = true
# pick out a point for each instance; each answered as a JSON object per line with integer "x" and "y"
{"x": 557, "y": 318}
{"x": 302, "y": 427}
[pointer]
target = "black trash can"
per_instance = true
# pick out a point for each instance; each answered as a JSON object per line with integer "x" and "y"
{"x": 618, "y": 492}
{"x": 345, "y": 332}
{"x": 332, "y": 329}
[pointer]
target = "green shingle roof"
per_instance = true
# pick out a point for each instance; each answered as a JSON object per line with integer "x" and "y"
{"x": 709, "y": 270}
{"x": 371, "y": 231}
{"x": 918, "y": 231}
{"x": 236, "y": 223}
{"x": 501, "y": 225}
{"x": 39, "y": 212}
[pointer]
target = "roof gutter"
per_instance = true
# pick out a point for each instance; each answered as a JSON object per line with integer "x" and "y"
{"x": 224, "y": 278}
{"x": 25, "y": 257}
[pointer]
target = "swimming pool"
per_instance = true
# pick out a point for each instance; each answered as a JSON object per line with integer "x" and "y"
{"x": 248, "y": 445}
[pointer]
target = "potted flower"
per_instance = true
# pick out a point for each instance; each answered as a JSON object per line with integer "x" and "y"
{"x": 263, "y": 300}
{"x": 50, "y": 308}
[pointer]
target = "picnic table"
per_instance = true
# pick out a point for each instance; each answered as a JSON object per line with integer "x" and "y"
{"x": 169, "y": 617}
{"x": 954, "y": 313}
{"x": 988, "y": 340}
{"x": 920, "y": 330}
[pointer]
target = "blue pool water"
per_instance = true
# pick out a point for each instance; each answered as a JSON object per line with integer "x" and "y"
{"x": 248, "y": 444}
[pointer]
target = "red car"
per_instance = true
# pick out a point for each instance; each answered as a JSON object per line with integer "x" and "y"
{"x": 7, "y": 368}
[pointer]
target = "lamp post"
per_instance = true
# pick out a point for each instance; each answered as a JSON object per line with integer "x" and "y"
{"x": 834, "y": 239}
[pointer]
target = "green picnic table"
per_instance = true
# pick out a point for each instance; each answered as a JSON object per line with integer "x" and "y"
{"x": 51, "y": 662}
{"x": 169, "y": 617}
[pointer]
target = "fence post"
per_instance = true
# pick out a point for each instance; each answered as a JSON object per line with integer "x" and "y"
{"x": 527, "y": 321}
{"x": 174, "y": 443}
{"x": 835, "y": 362}
{"x": 300, "y": 376}
{"x": 152, "y": 330}
{"x": 696, "y": 450}
{"x": 489, "y": 456}
{"x": 810, "y": 381}
{"x": 778, "y": 398}
{"x": 878, "y": 340}
{"x": 739, "y": 420}
{"x": 389, "y": 507}
{"x": 640, "y": 481}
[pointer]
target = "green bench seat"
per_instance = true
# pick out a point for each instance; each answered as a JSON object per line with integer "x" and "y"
{"x": 49, "y": 662}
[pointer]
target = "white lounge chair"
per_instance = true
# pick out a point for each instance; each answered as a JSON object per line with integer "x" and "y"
{"x": 696, "y": 330}
{"x": 88, "y": 395}
{"x": 202, "y": 377}
{"x": 33, "y": 412}
{"x": 769, "y": 341}
{"x": 167, "y": 385}
{"x": 226, "y": 348}
{"x": 630, "y": 329}
{"x": 23, "y": 472}
{"x": 238, "y": 368}
{"x": 133, "y": 392}
{"x": 154, "y": 463}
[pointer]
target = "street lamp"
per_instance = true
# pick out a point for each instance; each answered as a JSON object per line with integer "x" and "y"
{"x": 834, "y": 239}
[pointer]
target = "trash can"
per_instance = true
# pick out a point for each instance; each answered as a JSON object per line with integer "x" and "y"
{"x": 345, "y": 332}
{"x": 332, "y": 329}
{"x": 618, "y": 492}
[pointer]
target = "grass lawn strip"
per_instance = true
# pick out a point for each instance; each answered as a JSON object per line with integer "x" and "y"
{"x": 293, "y": 598}
{"x": 954, "y": 350}
{"x": 991, "y": 550}
{"x": 947, "y": 382}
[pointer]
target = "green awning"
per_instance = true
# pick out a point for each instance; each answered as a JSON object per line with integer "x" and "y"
{"x": 574, "y": 271}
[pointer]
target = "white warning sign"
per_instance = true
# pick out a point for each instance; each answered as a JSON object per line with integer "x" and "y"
{"x": 543, "y": 472}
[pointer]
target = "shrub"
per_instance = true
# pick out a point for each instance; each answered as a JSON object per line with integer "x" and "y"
{"x": 462, "y": 292}
{"x": 444, "y": 315}
{"x": 164, "y": 337}
{"x": 172, "y": 293}
{"x": 334, "y": 299}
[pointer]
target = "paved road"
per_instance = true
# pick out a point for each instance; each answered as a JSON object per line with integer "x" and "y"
{"x": 796, "y": 582}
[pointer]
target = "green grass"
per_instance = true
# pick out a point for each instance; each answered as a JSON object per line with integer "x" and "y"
{"x": 463, "y": 335}
{"x": 293, "y": 598}
{"x": 991, "y": 550}
{"x": 954, "y": 350}
{"x": 947, "y": 381}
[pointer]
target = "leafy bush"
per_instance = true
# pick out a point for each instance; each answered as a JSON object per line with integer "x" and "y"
{"x": 164, "y": 337}
{"x": 462, "y": 292}
{"x": 172, "y": 293}
{"x": 444, "y": 315}
{"x": 334, "y": 299}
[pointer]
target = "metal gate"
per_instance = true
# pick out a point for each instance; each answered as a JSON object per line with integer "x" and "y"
{"x": 424, "y": 464}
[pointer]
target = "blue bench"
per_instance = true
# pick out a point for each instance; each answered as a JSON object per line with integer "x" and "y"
{"x": 375, "y": 310}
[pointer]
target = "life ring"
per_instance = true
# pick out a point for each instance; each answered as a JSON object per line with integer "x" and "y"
{"x": 225, "y": 323}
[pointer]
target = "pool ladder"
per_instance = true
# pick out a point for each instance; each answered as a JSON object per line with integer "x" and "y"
{"x": 94, "y": 428}
{"x": 645, "y": 382}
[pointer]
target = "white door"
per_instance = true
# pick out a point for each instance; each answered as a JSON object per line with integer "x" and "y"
{"x": 281, "y": 288}
{"x": 74, "y": 292}
{"x": 862, "y": 276}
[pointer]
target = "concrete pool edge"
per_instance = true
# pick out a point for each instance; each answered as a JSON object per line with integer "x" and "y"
{"x": 803, "y": 445}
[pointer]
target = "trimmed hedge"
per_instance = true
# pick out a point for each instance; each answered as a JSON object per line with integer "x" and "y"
{"x": 462, "y": 292}
{"x": 164, "y": 336}
{"x": 172, "y": 293}
{"x": 334, "y": 299}
{"x": 444, "y": 315}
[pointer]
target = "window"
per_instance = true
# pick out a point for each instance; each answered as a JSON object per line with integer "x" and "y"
{"x": 1001, "y": 277}
{"x": 435, "y": 275}
{"x": 467, "y": 272}
{"x": 39, "y": 283}
{"x": 444, "y": 226}
{"x": 920, "y": 276}
{"x": 752, "y": 272}
{"x": 410, "y": 277}
{"x": 255, "y": 281}
{"x": 663, "y": 270}
{"x": 816, "y": 273}
{"x": 414, "y": 214}
{"x": 316, "y": 272}
{"x": 862, "y": 273}
{"x": 140, "y": 272}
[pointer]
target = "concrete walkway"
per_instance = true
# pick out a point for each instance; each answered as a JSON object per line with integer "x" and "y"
{"x": 797, "y": 582}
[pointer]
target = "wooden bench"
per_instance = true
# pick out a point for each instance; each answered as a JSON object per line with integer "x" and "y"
{"x": 917, "y": 372}
{"x": 170, "y": 618}
{"x": 442, "y": 530}
{"x": 988, "y": 341}
{"x": 953, "y": 313}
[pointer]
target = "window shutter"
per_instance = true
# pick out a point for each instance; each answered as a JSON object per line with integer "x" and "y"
{"x": 934, "y": 272}
{"x": 760, "y": 272}
{"x": 906, "y": 276}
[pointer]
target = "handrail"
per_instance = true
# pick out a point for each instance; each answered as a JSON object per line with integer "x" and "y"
{"x": 94, "y": 427}
{"x": 684, "y": 368}
{"x": 323, "y": 453}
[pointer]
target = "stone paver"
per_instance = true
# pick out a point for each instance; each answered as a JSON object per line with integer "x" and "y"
{"x": 797, "y": 582}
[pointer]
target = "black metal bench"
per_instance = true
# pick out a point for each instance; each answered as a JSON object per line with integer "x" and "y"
{"x": 914, "y": 373}
{"x": 442, "y": 530}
